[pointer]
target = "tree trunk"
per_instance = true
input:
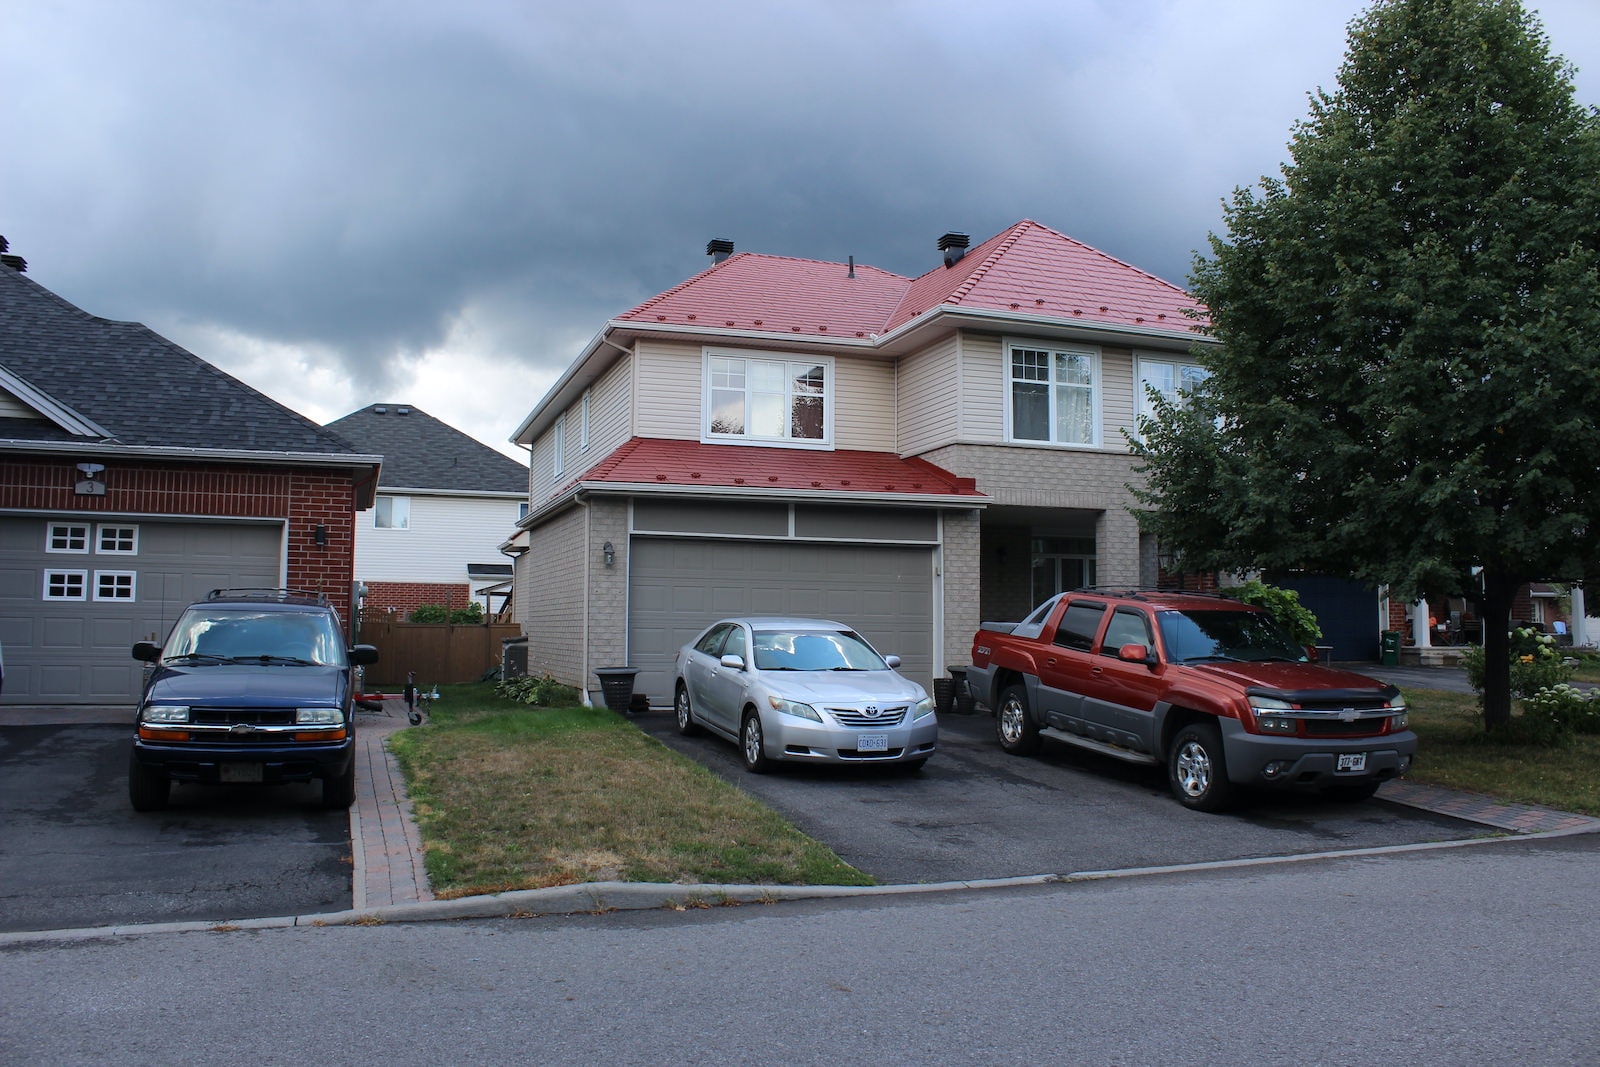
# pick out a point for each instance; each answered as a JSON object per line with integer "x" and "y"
{"x": 1498, "y": 592}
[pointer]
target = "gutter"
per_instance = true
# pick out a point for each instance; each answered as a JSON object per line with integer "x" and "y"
{"x": 311, "y": 459}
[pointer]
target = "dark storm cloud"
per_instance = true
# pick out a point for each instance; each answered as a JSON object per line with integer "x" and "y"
{"x": 359, "y": 176}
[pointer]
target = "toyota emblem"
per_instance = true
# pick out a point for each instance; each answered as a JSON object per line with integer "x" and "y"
{"x": 871, "y": 711}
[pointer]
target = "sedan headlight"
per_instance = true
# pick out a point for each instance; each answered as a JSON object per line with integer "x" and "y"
{"x": 318, "y": 717}
{"x": 166, "y": 713}
{"x": 923, "y": 709}
{"x": 795, "y": 708}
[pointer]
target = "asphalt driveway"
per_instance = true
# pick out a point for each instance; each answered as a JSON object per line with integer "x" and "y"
{"x": 74, "y": 854}
{"x": 975, "y": 812}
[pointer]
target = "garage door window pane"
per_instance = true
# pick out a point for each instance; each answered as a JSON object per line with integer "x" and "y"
{"x": 114, "y": 585}
{"x": 67, "y": 537}
{"x": 66, "y": 585}
{"x": 118, "y": 540}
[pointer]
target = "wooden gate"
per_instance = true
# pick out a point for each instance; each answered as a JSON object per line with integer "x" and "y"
{"x": 438, "y": 653}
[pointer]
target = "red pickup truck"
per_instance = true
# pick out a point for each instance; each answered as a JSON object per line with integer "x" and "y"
{"x": 1212, "y": 688}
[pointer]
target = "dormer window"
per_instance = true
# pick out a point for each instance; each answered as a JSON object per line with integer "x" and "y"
{"x": 750, "y": 399}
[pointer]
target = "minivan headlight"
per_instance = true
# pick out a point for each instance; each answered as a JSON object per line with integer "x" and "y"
{"x": 167, "y": 713}
{"x": 318, "y": 717}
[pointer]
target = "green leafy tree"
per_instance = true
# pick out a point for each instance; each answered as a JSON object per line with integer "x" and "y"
{"x": 1404, "y": 379}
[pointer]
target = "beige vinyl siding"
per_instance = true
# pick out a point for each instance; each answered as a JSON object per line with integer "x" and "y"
{"x": 12, "y": 408}
{"x": 983, "y": 389}
{"x": 667, "y": 385}
{"x": 1116, "y": 397}
{"x": 930, "y": 398}
{"x": 610, "y": 420}
{"x": 863, "y": 404}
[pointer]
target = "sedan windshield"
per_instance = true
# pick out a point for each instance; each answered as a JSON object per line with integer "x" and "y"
{"x": 1226, "y": 635}
{"x": 815, "y": 650}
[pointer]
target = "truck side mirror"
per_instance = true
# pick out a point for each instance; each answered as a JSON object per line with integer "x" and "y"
{"x": 148, "y": 651}
{"x": 1137, "y": 654}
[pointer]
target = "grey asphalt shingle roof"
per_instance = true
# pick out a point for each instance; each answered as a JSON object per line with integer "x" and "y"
{"x": 142, "y": 389}
{"x": 420, "y": 452}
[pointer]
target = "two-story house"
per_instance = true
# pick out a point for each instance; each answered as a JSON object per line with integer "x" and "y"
{"x": 445, "y": 503}
{"x": 787, "y": 436}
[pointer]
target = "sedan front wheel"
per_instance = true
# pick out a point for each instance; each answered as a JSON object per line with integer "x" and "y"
{"x": 685, "y": 711}
{"x": 753, "y": 740}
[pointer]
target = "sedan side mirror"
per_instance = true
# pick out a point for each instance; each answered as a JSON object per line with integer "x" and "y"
{"x": 893, "y": 662}
{"x": 733, "y": 662}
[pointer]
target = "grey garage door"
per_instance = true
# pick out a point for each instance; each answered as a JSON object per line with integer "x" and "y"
{"x": 679, "y": 587}
{"x": 76, "y": 593}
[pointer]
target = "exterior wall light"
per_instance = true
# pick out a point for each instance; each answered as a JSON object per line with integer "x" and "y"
{"x": 609, "y": 552}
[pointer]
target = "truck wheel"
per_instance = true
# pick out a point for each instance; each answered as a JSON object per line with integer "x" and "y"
{"x": 147, "y": 790}
{"x": 1352, "y": 793}
{"x": 1018, "y": 733}
{"x": 340, "y": 790}
{"x": 1197, "y": 771}
{"x": 753, "y": 741}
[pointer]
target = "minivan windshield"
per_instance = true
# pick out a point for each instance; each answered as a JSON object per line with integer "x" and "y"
{"x": 1251, "y": 636}
{"x": 233, "y": 635}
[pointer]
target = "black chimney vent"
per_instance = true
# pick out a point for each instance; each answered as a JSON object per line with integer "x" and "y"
{"x": 719, "y": 249}
{"x": 954, "y": 246}
{"x": 16, "y": 263}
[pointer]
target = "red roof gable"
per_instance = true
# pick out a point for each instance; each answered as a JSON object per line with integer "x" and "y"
{"x": 653, "y": 461}
{"x": 1029, "y": 269}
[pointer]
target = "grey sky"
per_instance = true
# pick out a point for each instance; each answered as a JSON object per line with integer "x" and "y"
{"x": 438, "y": 203}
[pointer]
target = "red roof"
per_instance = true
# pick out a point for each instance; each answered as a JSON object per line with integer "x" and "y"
{"x": 652, "y": 461}
{"x": 1029, "y": 269}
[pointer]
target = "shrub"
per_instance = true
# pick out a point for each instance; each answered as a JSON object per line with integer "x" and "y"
{"x": 1536, "y": 663}
{"x": 543, "y": 691}
{"x": 430, "y": 613}
{"x": 471, "y": 615}
{"x": 1576, "y": 709}
{"x": 1283, "y": 604}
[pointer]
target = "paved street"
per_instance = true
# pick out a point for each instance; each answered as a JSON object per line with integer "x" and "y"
{"x": 1479, "y": 955}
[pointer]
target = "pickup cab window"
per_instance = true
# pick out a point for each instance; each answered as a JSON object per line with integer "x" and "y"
{"x": 1079, "y": 624}
{"x": 1126, "y": 628}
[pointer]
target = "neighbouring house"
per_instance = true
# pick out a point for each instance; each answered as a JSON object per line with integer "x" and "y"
{"x": 446, "y": 502}
{"x": 134, "y": 478}
{"x": 788, "y": 436}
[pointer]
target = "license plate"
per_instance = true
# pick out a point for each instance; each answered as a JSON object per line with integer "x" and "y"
{"x": 1352, "y": 761}
{"x": 239, "y": 772}
{"x": 872, "y": 743}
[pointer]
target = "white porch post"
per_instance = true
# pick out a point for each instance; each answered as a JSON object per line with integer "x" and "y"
{"x": 1579, "y": 625}
{"x": 1421, "y": 632}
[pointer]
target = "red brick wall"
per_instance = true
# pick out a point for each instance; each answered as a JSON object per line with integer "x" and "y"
{"x": 402, "y": 598}
{"x": 306, "y": 497}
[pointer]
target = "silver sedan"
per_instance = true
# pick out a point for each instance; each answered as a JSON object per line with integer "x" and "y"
{"x": 802, "y": 689}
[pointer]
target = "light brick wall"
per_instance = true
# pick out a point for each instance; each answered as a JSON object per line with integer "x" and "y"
{"x": 961, "y": 567}
{"x": 608, "y": 589}
{"x": 549, "y": 599}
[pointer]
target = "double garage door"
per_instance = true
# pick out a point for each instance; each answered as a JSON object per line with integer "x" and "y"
{"x": 678, "y": 587}
{"x": 76, "y": 593}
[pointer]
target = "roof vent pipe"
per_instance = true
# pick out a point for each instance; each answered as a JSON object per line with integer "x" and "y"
{"x": 954, "y": 246}
{"x": 719, "y": 249}
{"x": 852, "y": 273}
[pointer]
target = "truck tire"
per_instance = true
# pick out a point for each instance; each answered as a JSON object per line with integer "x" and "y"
{"x": 1014, "y": 725}
{"x": 1197, "y": 770}
{"x": 147, "y": 790}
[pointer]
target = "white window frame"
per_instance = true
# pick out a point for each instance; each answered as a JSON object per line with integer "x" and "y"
{"x": 792, "y": 365}
{"x": 119, "y": 532}
{"x": 80, "y": 578}
{"x": 583, "y": 426}
{"x": 1053, "y": 389}
{"x": 558, "y": 445}
{"x": 121, "y": 586}
{"x": 75, "y": 534}
{"x": 393, "y": 499}
{"x": 1185, "y": 375}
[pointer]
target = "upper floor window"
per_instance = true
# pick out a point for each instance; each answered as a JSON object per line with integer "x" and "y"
{"x": 392, "y": 513}
{"x": 754, "y": 399}
{"x": 1055, "y": 395}
{"x": 558, "y": 446}
{"x": 1172, "y": 379}
{"x": 583, "y": 424}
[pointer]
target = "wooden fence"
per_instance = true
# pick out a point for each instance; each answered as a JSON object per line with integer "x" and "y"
{"x": 438, "y": 653}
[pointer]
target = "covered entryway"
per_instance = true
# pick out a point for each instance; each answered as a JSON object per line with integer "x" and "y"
{"x": 677, "y": 587}
{"x": 77, "y": 592}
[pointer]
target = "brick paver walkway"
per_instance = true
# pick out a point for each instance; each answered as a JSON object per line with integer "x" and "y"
{"x": 387, "y": 849}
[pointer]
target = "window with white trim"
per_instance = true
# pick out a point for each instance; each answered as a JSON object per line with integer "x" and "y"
{"x": 67, "y": 537}
{"x": 558, "y": 445}
{"x": 1054, "y": 393}
{"x": 115, "y": 585}
{"x": 392, "y": 513}
{"x": 117, "y": 540}
{"x": 1172, "y": 379}
{"x": 583, "y": 426}
{"x": 66, "y": 585}
{"x": 757, "y": 399}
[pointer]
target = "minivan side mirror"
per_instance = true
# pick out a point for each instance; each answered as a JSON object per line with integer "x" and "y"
{"x": 148, "y": 651}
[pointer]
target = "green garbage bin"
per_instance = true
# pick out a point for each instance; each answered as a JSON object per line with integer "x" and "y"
{"x": 1391, "y": 648}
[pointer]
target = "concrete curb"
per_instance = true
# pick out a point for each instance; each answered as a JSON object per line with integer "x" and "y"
{"x": 599, "y": 898}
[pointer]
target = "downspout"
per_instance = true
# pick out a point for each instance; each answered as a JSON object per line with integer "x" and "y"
{"x": 583, "y": 678}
